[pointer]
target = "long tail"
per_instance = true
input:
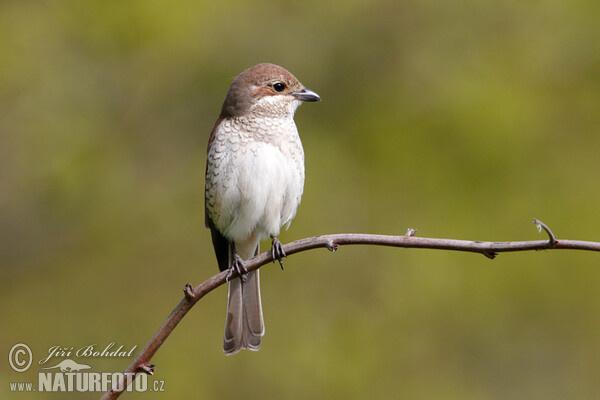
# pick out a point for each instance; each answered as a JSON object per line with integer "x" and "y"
{"x": 244, "y": 325}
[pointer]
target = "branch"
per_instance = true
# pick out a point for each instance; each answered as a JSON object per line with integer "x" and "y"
{"x": 141, "y": 364}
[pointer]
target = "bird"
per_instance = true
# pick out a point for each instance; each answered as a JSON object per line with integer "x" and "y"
{"x": 254, "y": 184}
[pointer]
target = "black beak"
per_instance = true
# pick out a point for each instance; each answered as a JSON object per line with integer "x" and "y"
{"x": 306, "y": 95}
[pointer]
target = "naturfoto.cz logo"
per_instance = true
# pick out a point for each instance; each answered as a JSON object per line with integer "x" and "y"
{"x": 68, "y": 375}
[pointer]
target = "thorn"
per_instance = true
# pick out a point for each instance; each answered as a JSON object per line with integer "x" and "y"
{"x": 188, "y": 290}
{"x": 331, "y": 246}
{"x": 410, "y": 232}
{"x": 540, "y": 225}
{"x": 147, "y": 368}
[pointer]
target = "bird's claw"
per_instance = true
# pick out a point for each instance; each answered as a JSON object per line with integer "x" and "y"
{"x": 277, "y": 251}
{"x": 237, "y": 266}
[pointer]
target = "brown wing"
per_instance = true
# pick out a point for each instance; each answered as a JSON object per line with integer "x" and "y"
{"x": 213, "y": 132}
{"x": 221, "y": 246}
{"x": 220, "y": 243}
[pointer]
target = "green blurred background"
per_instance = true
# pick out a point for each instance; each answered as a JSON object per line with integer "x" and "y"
{"x": 464, "y": 119}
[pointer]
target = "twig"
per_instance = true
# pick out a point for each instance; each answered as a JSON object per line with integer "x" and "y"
{"x": 141, "y": 364}
{"x": 543, "y": 226}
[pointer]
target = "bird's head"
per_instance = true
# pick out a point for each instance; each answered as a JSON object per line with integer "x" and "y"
{"x": 267, "y": 90}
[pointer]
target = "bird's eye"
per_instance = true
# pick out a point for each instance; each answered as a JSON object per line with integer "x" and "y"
{"x": 279, "y": 87}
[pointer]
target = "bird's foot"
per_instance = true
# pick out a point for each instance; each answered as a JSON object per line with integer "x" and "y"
{"x": 277, "y": 251}
{"x": 237, "y": 266}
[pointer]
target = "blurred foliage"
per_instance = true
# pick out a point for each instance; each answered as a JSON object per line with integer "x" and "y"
{"x": 462, "y": 119}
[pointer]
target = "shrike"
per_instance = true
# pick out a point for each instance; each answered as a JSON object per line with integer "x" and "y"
{"x": 254, "y": 183}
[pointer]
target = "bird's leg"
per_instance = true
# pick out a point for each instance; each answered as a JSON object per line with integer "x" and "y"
{"x": 237, "y": 265}
{"x": 277, "y": 251}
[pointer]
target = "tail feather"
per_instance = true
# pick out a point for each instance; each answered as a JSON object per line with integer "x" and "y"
{"x": 234, "y": 321}
{"x": 244, "y": 324}
{"x": 252, "y": 304}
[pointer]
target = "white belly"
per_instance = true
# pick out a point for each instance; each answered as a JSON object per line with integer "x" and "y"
{"x": 255, "y": 189}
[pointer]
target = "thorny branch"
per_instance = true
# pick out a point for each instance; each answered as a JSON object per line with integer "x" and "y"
{"x": 141, "y": 364}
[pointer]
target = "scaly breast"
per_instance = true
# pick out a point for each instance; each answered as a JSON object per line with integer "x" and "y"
{"x": 254, "y": 181}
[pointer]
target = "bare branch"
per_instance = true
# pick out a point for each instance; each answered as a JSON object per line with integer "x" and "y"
{"x": 141, "y": 364}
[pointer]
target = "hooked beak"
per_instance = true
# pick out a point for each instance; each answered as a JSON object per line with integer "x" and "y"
{"x": 306, "y": 95}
